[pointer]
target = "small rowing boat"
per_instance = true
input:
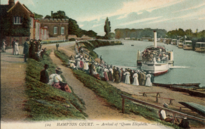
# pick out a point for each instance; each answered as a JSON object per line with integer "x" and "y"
{"x": 195, "y": 107}
{"x": 182, "y": 84}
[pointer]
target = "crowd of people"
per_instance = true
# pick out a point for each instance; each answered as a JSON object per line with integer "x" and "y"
{"x": 158, "y": 54}
{"x": 102, "y": 71}
{"x": 15, "y": 46}
{"x": 31, "y": 48}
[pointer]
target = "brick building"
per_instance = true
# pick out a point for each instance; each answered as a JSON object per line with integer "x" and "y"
{"x": 18, "y": 22}
{"x": 57, "y": 28}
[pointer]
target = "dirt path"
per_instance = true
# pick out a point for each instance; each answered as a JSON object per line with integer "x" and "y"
{"x": 96, "y": 107}
{"x": 12, "y": 86}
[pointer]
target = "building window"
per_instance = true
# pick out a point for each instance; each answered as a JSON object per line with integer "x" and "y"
{"x": 17, "y": 20}
{"x": 55, "y": 30}
{"x": 62, "y": 30}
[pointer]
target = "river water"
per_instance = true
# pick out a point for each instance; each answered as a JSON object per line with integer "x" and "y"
{"x": 193, "y": 70}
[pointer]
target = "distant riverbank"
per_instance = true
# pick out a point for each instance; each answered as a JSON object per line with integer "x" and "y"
{"x": 92, "y": 44}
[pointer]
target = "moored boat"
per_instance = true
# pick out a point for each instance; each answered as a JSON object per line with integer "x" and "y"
{"x": 179, "y": 44}
{"x": 155, "y": 59}
{"x": 182, "y": 84}
{"x": 187, "y": 45}
{"x": 200, "y": 47}
{"x": 200, "y": 109}
{"x": 174, "y": 41}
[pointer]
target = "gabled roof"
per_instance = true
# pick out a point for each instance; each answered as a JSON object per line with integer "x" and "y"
{"x": 27, "y": 9}
{"x": 22, "y": 6}
{"x": 13, "y": 6}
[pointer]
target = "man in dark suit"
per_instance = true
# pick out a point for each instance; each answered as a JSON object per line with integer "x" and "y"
{"x": 57, "y": 45}
{"x": 26, "y": 49}
{"x": 44, "y": 75}
{"x": 13, "y": 45}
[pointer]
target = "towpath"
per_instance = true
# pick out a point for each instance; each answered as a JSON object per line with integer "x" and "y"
{"x": 12, "y": 86}
{"x": 96, "y": 107}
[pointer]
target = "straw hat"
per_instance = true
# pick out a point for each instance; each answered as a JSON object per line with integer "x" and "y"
{"x": 58, "y": 70}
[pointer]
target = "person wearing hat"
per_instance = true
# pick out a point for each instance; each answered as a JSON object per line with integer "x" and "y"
{"x": 4, "y": 46}
{"x": 127, "y": 77}
{"x": 116, "y": 75}
{"x": 86, "y": 67}
{"x": 65, "y": 87}
{"x": 106, "y": 75}
{"x": 44, "y": 78}
{"x": 57, "y": 45}
{"x": 184, "y": 123}
{"x": 55, "y": 79}
{"x": 32, "y": 49}
{"x": 110, "y": 75}
{"x": 163, "y": 116}
{"x": 78, "y": 63}
{"x": 123, "y": 76}
{"x": 152, "y": 76}
{"x": 16, "y": 48}
{"x": 38, "y": 42}
{"x": 131, "y": 76}
{"x": 76, "y": 47}
{"x": 13, "y": 45}
{"x": 135, "y": 77}
{"x": 81, "y": 64}
{"x": 148, "y": 80}
{"x": 26, "y": 49}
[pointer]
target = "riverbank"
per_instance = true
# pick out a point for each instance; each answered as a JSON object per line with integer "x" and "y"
{"x": 112, "y": 95}
{"x": 96, "y": 85}
{"x": 46, "y": 102}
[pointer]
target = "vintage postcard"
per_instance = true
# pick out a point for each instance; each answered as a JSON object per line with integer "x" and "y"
{"x": 102, "y": 64}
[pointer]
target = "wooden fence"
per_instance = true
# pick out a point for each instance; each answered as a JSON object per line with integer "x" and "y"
{"x": 158, "y": 107}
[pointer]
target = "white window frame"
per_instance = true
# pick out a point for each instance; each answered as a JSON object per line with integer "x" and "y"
{"x": 55, "y": 30}
{"x": 62, "y": 30}
{"x": 17, "y": 20}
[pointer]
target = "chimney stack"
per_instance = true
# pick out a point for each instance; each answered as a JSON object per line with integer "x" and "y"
{"x": 11, "y": 3}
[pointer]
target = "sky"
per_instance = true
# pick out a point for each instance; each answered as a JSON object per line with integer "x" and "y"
{"x": 138, "y": 14}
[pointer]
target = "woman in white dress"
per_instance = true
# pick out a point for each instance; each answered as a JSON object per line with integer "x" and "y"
{"x": 148, "y": 81}
{"x": 135, "y": 82}
{"x": 78, "y": 63}
{"x": 16, "y": 48}
{"x": 4, "y": 46}
{"x": 86, "y": 68}
{"x": 55, "y": 79}
{"x": 127, "y": 77}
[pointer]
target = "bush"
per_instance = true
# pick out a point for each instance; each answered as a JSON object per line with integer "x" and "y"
{"x": 72, "y": 39}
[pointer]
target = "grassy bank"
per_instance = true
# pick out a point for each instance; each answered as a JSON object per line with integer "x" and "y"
{"x": 92, "y": 44}
{"x": 113, "y": 95}
{"x": 46, "y": 102}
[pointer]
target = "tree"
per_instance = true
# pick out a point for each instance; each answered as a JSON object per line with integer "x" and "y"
{"x": 74, "y": 28}
{"x": 37, "y": 15}
{"x": 107, "y": 28}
